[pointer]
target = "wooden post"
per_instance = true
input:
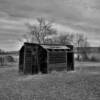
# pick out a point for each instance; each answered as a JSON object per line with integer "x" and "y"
{"x": 31, "y": 60}
{"x": 24, "y": 53}
{"x": 66, "y": 59}
{"x": 73, "y": 61}
{"x": 37, "y": 59}
{"x": 48, "y": 61}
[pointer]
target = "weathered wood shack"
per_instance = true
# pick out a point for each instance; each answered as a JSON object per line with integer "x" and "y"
{"x": 35, "y": 58}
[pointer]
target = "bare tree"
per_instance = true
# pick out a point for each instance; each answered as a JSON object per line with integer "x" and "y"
{"x": 65, "y": 39}
{"x": 40, "y": 32}
{"x": 82, "y": 44}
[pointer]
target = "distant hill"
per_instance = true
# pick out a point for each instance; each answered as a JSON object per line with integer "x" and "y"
{"x": 9, "y": 53}
{"x": 88, "y": 49}
{"x": 12, "y": 52}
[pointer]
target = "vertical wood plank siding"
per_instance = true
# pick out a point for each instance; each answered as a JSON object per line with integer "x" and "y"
{"x": 35, "y": 58}
{"x": 28, "y": 60}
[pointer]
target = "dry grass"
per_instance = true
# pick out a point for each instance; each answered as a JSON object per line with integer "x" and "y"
{"x": 77, "y": 85}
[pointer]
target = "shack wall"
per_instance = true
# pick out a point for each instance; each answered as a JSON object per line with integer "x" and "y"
{"x": 36, "y": 59}
{"x": 21, "y": 60}
{"x": 27, "y": 60}
{"x": 57, "y": 60}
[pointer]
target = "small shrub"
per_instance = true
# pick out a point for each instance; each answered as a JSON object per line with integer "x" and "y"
{"x": 10, "y": 59}
{"x": 2, "y": 61}
{"x": 94, "y": 59}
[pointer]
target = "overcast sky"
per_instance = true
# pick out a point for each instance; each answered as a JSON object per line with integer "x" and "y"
{"x": 70, "y": 15}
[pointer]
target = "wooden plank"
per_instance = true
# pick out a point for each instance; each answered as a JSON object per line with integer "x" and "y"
{"x": 57, "y": 67}
{"x": 28, "y": 60}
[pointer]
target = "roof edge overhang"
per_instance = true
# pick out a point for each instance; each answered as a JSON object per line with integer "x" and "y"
{"x": 46, "y": 44}
{"x": 55, "y": 47}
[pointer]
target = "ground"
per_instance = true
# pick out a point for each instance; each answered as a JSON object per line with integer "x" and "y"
{"x": 81, "y": 84}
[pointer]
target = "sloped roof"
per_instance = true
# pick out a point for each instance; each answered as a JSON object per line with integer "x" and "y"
{"x": 54, "y": 47}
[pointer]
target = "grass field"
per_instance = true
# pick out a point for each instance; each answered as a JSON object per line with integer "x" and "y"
{"x": 81, "y": 84}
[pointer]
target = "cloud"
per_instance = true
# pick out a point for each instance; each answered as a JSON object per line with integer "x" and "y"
{"x": 81, "y": 16}
{"x": 64, "y": 28}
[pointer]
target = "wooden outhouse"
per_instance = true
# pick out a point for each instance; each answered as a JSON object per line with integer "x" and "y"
{"x": 35, "y": 58}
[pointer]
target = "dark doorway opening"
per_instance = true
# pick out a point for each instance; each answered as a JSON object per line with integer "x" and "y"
{"x": 43, "y": 62}
{"x": 34, "y": 65}
{"x": 70, "y": 61}
{"x": 43, "y": 67}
